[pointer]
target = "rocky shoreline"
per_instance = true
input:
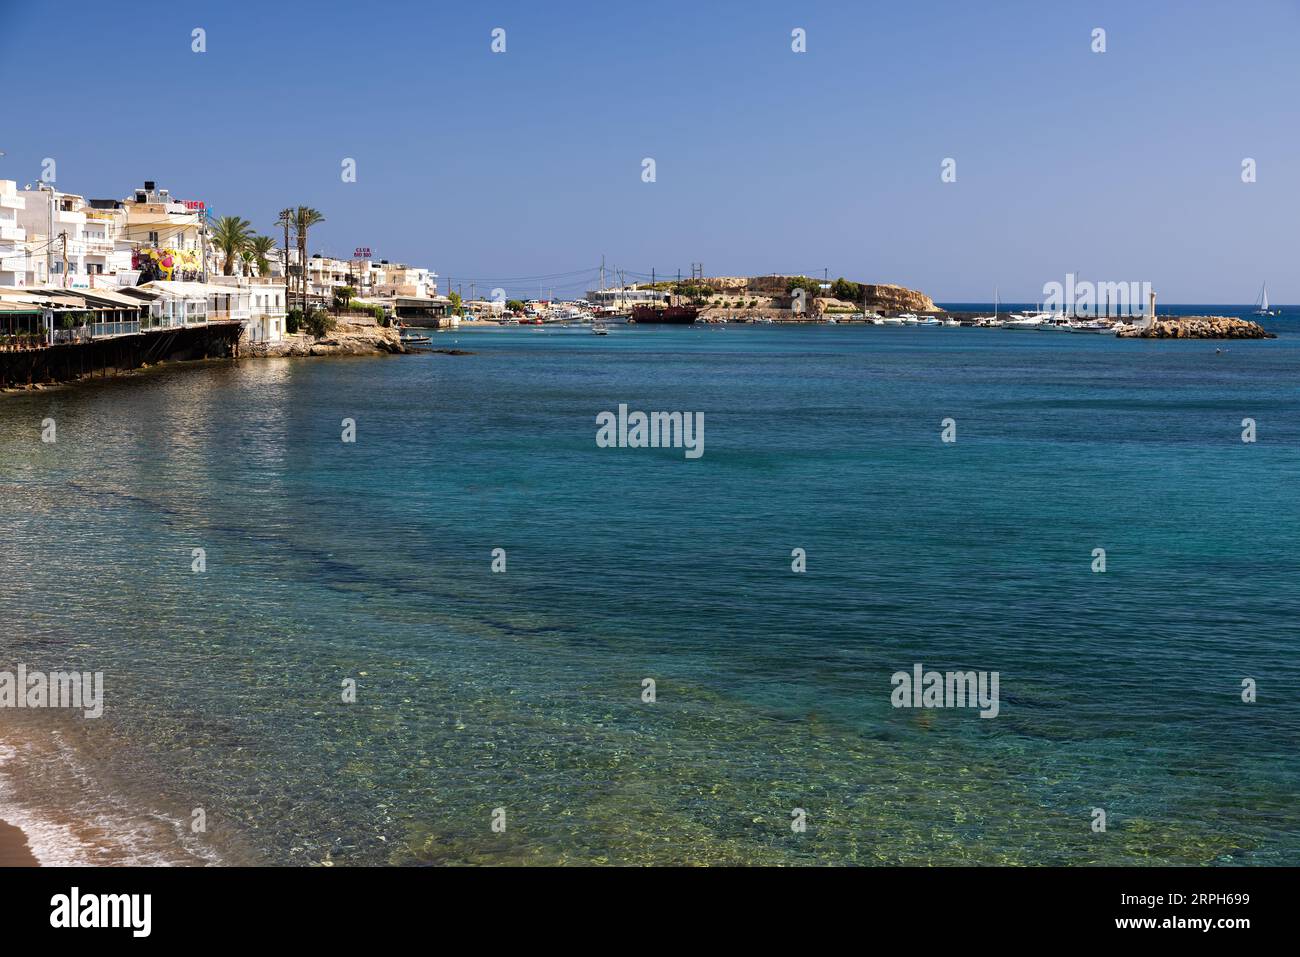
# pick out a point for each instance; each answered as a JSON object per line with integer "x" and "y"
{"x": 1199, "y": 327}
{"x": 348, "y": 338}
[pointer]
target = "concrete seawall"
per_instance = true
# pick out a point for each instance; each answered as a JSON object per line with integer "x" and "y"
{"x": 68, "y": 362}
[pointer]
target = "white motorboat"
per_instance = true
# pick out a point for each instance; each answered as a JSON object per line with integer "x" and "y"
{"x": 1018, "y": 321}
{"x": 1095, "y": 326}
{"x": 892, "y": 321}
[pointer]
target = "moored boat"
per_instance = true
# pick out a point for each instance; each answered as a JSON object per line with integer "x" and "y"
{"x": 672, "y": 315}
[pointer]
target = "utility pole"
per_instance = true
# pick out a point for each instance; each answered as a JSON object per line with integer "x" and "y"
{"x": 203, "y": 242}
{"x": 64, "y": 236}
{"x": 49, "y": 234}
{"x": 286, "y": 216}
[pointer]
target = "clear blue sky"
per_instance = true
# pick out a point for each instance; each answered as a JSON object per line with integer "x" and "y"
{"x": 1123, "y": 166}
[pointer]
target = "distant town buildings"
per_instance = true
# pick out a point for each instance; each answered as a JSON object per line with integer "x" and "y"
{"x": 149, "y": 261}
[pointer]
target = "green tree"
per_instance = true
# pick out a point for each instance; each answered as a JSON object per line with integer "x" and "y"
{"x": 319, "y": 323}
{"x": 231, "y": 234}
{"x": 304, "y": 218}
{"x": 811, "y": 286}
{"x": 455, "y": 302}
{"x": 515, "y": 305}
{"x": 846, "y": 290}
{"x": 262, "y": 247}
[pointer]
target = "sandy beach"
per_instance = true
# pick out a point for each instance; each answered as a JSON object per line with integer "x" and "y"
{"x": 14, "y": 851}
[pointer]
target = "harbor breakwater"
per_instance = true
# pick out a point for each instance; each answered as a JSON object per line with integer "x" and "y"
{"x": 1199, "y": 327}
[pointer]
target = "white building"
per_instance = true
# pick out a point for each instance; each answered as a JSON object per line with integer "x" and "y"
{"x": 64, "y": 231}
{"x": 14, "y": 269}
{"x": 368, "y": 277}
{"x": 625, "y": 298}
{"x": 261, "y": 303}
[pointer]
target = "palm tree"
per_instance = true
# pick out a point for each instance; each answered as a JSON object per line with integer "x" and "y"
{"x": 231, "y": 235}
{"x": 261, "y": 248}
{"x": 304, "y": 218}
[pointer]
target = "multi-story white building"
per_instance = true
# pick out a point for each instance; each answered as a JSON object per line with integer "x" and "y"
{"x": 64, "y": 232}
{"x": 261, "y": 306}
{"x": 13, "y": 237}
{"x": 55, "y": 222}
{"x": 368, "y": 277}
{"x": 167, "y": 233}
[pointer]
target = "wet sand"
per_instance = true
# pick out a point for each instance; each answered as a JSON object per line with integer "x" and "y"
{"x": 14, "y": 851}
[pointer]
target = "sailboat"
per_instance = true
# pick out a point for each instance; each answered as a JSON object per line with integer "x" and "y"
{"x": 992, "y": 320}
{"x": 1261, "y": 304}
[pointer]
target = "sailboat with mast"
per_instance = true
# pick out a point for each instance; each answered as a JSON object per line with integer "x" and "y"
{"x": 1261, "y": 303}
{"x": 992, "y": 320}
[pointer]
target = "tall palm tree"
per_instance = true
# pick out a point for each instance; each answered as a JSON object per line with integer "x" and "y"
{"x": 231, "y": 235}
{"x": 304, "y": 218}
{"x": 261, "y": 248}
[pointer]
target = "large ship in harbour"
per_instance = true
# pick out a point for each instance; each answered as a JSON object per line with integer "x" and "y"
{"x": 676, "y": 315}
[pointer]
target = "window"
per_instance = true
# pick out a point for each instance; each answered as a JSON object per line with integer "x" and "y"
{"x": 153, "y": 239}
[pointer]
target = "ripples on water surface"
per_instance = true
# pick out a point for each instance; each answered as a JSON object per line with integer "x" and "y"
{"x": 476, "y": 691}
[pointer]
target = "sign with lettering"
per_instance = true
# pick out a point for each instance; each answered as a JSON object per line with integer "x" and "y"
{"x": 195, "y": 204}
{"x": 361, "y": 252}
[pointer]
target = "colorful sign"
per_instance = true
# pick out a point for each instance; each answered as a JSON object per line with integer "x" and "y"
{"x": 166, "y": 264}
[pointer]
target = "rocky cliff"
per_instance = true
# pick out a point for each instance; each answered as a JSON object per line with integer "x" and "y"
{"x": 890, "y": 298}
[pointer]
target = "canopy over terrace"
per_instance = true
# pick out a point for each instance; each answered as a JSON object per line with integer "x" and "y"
{"x": 220, "y": 302}
{"x": 76, "y": 315}
{"x": 22, "y": 325}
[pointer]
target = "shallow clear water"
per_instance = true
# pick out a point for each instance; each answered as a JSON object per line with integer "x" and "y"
{"x": 522, "y": 690}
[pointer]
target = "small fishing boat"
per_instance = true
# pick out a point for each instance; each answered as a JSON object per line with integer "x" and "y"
{"x": 598, "y": 328}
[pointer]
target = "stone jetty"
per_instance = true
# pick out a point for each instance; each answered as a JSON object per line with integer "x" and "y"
{"x": 1199, "y": 327}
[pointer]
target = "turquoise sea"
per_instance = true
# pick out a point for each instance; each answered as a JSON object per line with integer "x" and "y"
{"x": 478, "y": 691}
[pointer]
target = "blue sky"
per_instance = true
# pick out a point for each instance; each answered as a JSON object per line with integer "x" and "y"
{"x": 1124, "y": 165}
